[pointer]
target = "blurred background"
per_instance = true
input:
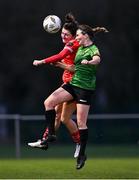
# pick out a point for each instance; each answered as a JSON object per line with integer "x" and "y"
{"x": 23, "y": 87}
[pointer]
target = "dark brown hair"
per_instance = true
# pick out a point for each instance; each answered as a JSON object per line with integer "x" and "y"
{"x": 70, "y": 24}
{"x": 91, "y": 31}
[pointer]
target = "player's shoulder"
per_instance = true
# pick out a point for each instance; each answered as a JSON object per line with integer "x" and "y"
{"x": 73, "y": 42}
{"x": 95, "y": 49}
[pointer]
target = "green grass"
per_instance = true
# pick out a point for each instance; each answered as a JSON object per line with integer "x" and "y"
{"x": 98, "y": 168}
{"x": 66, "y": 151}
{"x": 104, "y": 162}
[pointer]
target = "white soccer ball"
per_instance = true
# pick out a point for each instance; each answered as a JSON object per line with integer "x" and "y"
{"x": 52, "y": 24}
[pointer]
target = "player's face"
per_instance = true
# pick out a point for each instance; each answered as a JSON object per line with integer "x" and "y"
{"x": 81, "y": 37}
{"x": 66, "y": 36}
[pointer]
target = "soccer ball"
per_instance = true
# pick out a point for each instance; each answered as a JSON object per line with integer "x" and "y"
{"x": 52, "y": 24}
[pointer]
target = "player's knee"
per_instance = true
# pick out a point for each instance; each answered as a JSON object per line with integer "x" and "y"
{"x": 64, "y": 120}
{"x": 58, "y": 116}
{"x": 48, "y": 104}
{"x": 81, "y": 125}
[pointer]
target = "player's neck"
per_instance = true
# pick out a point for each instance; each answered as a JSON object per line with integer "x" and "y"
{"x": 87, "y": 43}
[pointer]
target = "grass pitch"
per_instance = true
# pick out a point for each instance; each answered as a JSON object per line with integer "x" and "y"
{"x": 104, "y": 162}
{"x": 98, "y": 168}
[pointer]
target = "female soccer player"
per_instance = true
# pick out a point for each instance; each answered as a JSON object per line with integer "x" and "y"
{"x": 81, "y": 88}
{"x": 67, "y": 55}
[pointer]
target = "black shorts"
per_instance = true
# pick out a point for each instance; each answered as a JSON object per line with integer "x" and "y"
{"x": 82, "y": 96}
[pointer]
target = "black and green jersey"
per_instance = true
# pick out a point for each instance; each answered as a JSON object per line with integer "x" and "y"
{"x": 85, "y": 75}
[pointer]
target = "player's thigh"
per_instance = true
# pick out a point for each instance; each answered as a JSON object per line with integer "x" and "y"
{"x": 67, "y": 110}
{"x": 57, "y": 97}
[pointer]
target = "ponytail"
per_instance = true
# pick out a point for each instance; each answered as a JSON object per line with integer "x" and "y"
{"x": 99, "y": 29}
{"x": 70, "y": 23}
{"x": 91, "y": 31}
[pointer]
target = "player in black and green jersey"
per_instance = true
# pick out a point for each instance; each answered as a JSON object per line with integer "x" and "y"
{"x": 81, "y": 88}
{"x": 83, "y": 83}
{"x": 85, "y": 76}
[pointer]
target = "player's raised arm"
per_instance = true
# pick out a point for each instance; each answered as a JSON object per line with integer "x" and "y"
{"x": 53, "y": 59}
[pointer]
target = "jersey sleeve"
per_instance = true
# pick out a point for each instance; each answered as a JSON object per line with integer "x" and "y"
{"x": 96, "y": 52}
{"x": 57, "y": 57}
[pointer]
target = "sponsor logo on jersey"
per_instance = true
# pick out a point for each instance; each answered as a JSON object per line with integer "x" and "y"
{"x": 82, "y": 100}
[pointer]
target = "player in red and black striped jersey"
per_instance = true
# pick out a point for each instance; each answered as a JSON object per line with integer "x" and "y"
{"x": 65, "y": 60}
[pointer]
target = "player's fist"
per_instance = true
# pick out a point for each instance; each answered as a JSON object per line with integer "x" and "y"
{"x": 37, "y": 62}
{"x": 85, "y": 61}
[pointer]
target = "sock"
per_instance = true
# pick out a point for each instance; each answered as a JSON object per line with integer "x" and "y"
{"x": 76, "y": 137}
{"x": 83, "y": 141}
{"x": 50, "y": 120}
{"x": 45, "y": 134}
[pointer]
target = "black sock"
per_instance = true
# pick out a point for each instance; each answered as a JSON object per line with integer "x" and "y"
{"x": 50, "y": 120}
{"x": 83, "y": 141}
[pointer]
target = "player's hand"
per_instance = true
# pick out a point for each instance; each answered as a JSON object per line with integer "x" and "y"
{"x": 37, "y": 62}
{"x": 57, "y": 64}
{"x": 53, "y": 64}
{"x": 84, "y": 61}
